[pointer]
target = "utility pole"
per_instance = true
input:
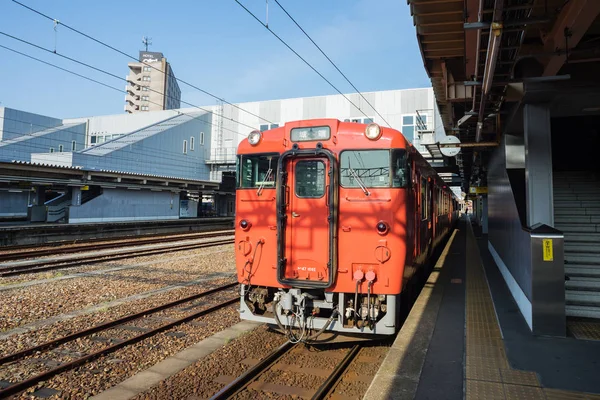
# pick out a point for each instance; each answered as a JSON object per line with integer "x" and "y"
{"x": 146, "y": 41}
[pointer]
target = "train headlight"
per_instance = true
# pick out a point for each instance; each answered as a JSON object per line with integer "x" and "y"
{"x": 382, "y": 227}
{"x": 245, "y": 225}
{"x": 254, "y": 137}
{"x": 373, "y": 131}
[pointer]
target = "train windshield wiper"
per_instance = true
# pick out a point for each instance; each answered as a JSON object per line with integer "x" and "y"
{"x": 267, "y": 177}
{"x": 359, "y": 181}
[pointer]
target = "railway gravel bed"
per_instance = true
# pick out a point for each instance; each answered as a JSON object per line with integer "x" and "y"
{"x": 7, "y": 283}
{"x": 99, "y": 375}
{"x": 47, "y": 333}
{"x": 130, "y": 241}
{"x": 19, "y": 306}
{"x": 300, "y": 372}
{"x": 201, "y": 380}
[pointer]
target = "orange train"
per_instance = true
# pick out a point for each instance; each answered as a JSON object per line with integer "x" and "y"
{"x": 332, "y": 220}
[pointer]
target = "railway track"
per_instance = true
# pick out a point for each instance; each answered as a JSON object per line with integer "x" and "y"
{"x": 255, "y": 379}
{"x": 40, "y": 265}
{"x": 23, "y": 254}
{"x": 21, "y": 356}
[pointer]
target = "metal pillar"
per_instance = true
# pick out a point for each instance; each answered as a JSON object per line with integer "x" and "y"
{"x": 40, "y": 196}
{"x": 538, "y": 165}
{"x": 76, "y": 196}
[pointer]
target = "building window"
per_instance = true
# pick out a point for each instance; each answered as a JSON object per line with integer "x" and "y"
{"x": 147, "y": 69}
{"x": 146, "y": 78}
{"x": 51, "y": 149}
{"x": 185, "y": 147}
{"x": 201, "y": 138}
{"x": 73, "y": 145}
{"x": 192, "y": 143}
{"x": 408, "y": 127}
{"x": 145, "y": 98}
{"x": 93, "y": 140}
{"x": 145, "y": 108}
{"x": 60, "y": 148}
{"x": 144, "y": 88}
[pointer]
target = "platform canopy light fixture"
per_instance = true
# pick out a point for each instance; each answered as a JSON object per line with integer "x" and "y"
{"x": 254, "y": 137}
{"x": 373, "y": 131}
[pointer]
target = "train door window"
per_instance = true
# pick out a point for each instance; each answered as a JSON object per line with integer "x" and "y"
{"x": 257, "y": 170}
{"x": 310, "y": 179}
{"x": 400, "y": 169}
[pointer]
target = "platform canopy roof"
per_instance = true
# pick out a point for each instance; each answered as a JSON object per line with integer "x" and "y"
{"x": 481, "y": 54}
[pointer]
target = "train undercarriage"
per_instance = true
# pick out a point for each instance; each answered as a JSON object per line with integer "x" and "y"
{"x": 314, "y": 315}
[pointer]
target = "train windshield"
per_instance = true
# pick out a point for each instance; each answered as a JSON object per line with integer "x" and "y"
{"x": 257, "y": 171}
{"x": 374, "y": 168}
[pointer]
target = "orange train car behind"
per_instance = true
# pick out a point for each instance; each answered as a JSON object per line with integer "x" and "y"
{"x": 332, "y": 220}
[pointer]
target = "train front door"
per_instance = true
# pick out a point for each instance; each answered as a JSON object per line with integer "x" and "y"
{"x": 307, "y": 252}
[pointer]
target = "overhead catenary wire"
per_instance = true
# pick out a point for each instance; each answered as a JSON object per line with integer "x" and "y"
{"x": 332, "y": 63}
{"x": 300, "y": 57}
{"x": 176, "y": 155}
{"x": 56, "y": 21}
{"x": 117, "y": 77}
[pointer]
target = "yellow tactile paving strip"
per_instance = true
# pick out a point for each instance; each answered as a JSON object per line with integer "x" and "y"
{"x": 487, "y": 372}
{"x": 584, "y": 329}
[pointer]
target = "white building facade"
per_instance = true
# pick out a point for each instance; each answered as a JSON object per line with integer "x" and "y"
{"x": 411, "y": 111}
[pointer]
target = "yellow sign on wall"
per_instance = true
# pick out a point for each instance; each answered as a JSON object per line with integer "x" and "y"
{"x": 478, "y": 190}
{"x": 547, "y": 250}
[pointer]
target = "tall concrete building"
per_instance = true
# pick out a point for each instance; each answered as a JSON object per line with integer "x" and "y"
{"x": 151, "y": 84}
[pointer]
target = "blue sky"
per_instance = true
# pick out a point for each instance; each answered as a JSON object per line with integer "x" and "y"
{"x": 213, "y": 44}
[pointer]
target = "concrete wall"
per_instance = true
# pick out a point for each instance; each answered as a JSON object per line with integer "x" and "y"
{"x": 106, "y": 127}
{"x": 15, "y": 123}
{"x": 127, "y": 205}
{"x": 157, "y": 150}
{"x": 60, "y": 139}
{"x": 13, "y": 204}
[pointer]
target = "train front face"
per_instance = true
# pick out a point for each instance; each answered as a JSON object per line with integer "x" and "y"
{"x": 321, "y": 227}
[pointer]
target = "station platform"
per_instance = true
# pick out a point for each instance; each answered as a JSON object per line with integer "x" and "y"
{"x": 23, "y": 234}
{"x": 465, "y": 338}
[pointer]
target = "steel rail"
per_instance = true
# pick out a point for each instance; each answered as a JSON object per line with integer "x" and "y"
{"x": 335, "y": 376}
{"x": 18, "y": 387}
{"x": 59, "y": 264}
{"x": 107, "y": 325}
{"x": 114, "y": 244}
{"x": 243, "y": 380}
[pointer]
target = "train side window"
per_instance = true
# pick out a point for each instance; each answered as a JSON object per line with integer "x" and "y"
{"x": 257, "y": 170}
{"x": 310, "y": 179}
{"x": 423, "y": 198}
{"x": 400, "y": 169}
